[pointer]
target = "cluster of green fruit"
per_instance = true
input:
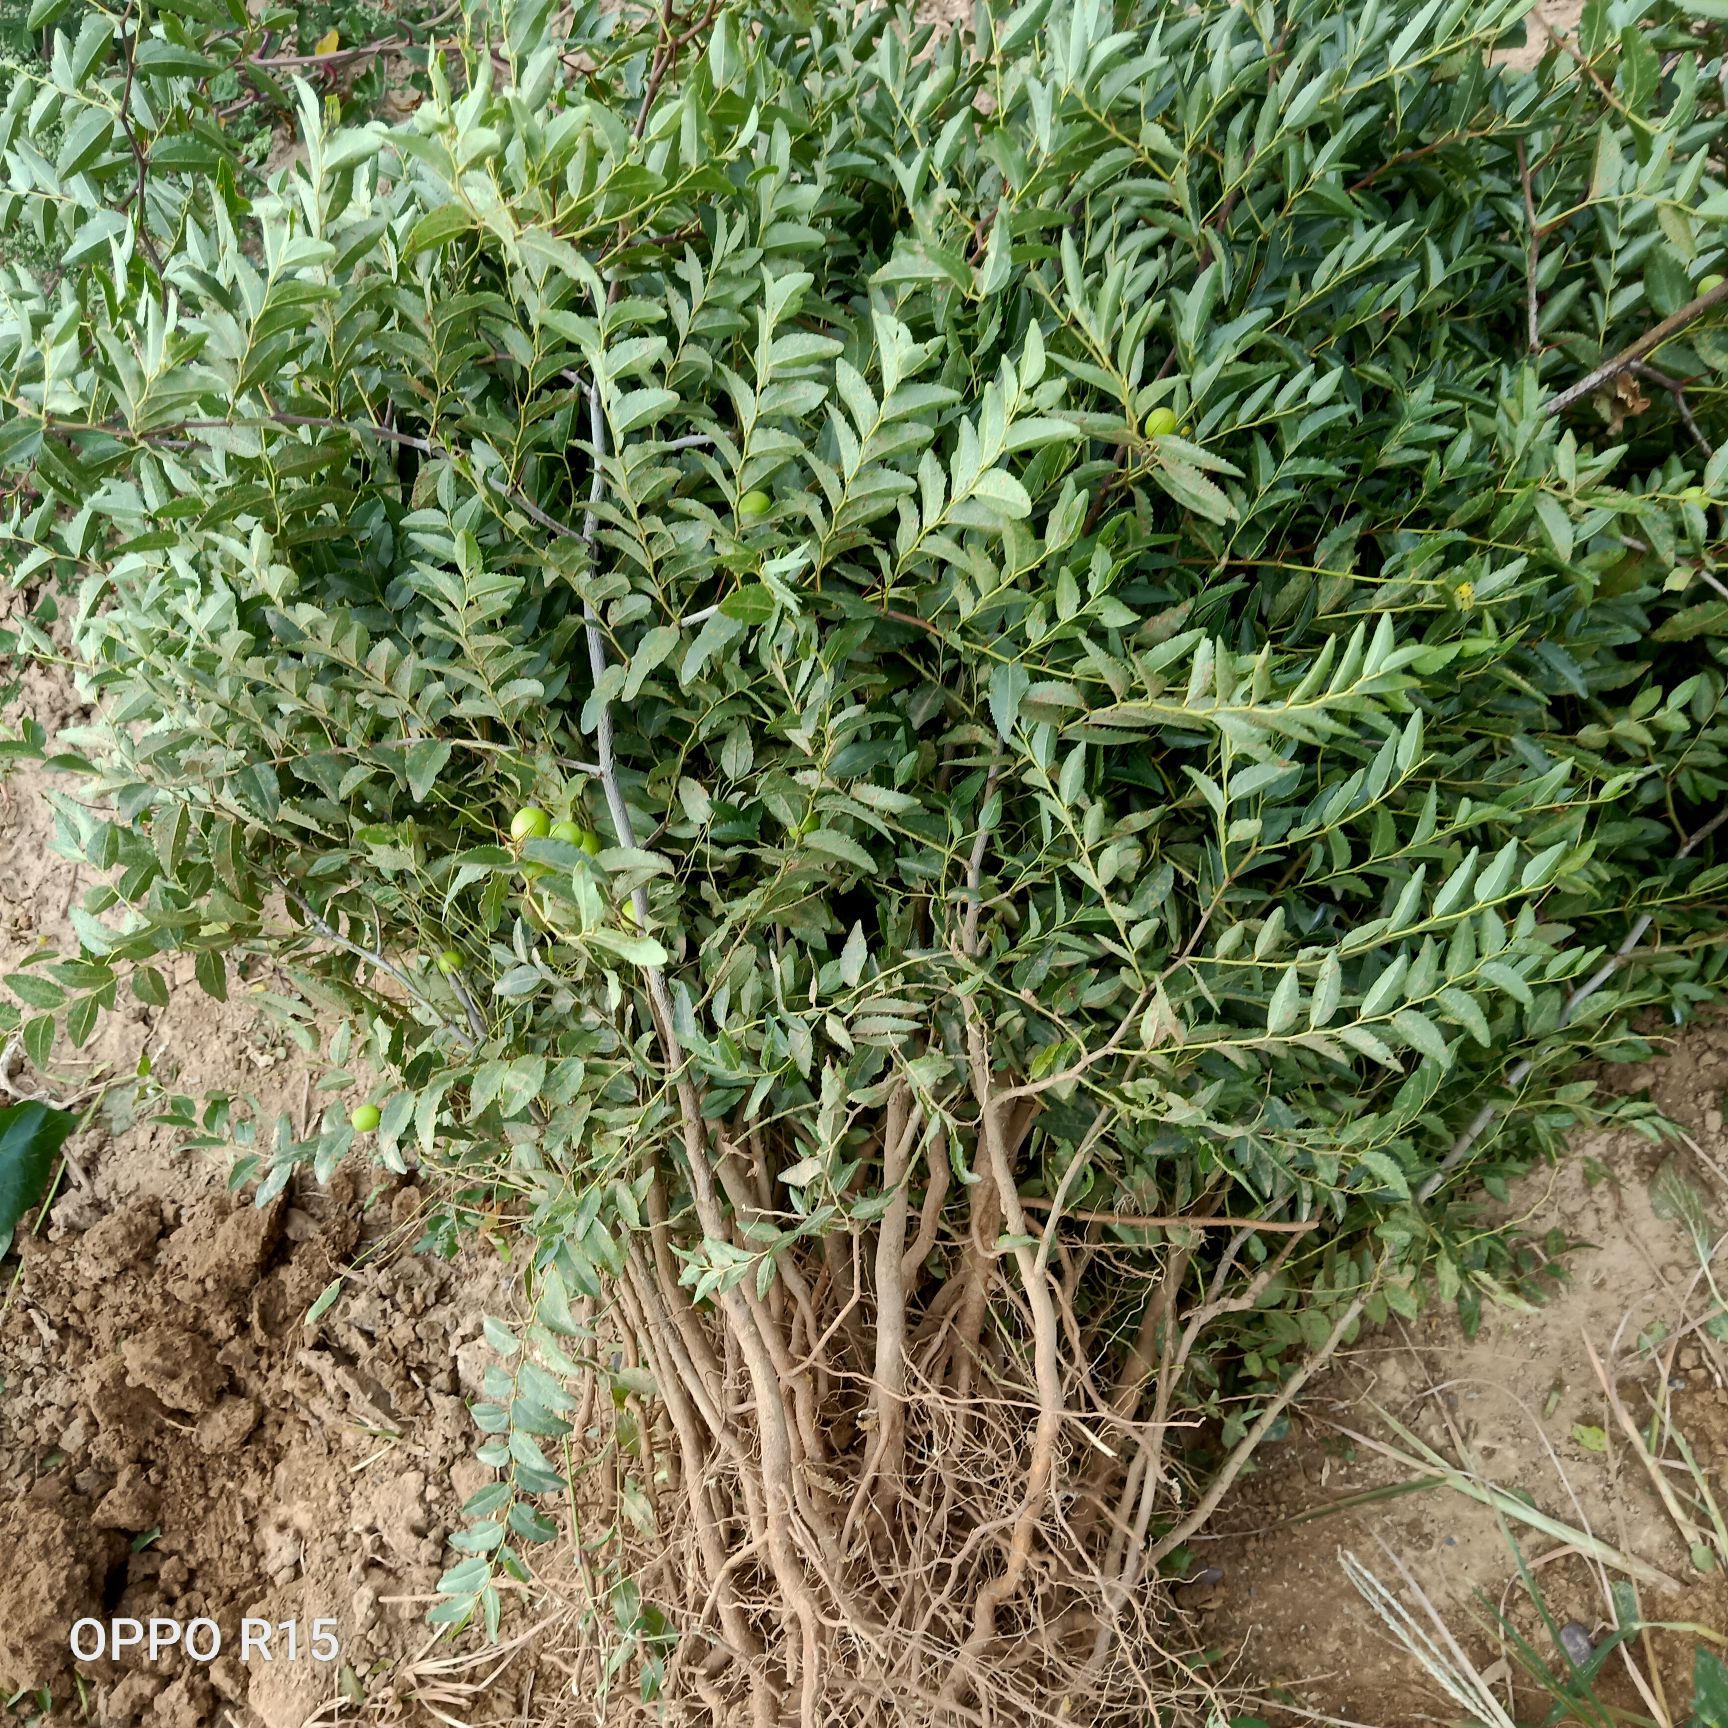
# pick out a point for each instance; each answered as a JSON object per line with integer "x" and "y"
{"x": 533, "y": 823}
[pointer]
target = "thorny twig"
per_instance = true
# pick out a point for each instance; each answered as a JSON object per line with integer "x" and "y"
{"x": 390, "y": 435}
{"x": 402, "y": 42}
{"x": 1629, "y": 356}
{"x": 1136, "y": 1555}
{"x": 1676, "y": 387}
{"x": 141, "y": 161}
{"x": 666, "y": 54}
{"x": 1208, "y": 1502}
{"x": 1135, "y": 1221}
{"x": 1532, "y": 252}
{"x": 1568, "y": 46}
{"x": 1416, "y": 155}
{"x": 384, "y": 963}
{"x": 360, "y": 51}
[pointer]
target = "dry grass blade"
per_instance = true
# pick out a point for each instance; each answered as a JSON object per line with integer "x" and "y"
{"x": 1690, "y": 1532}
{"x": 437, "y": 1684}
{"x": 1438, "y": 1652}
{"x": 1424, "y": 1460}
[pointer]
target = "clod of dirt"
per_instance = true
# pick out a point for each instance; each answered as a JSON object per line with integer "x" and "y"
{"x": 221, "y": 1249}
{"x": 283, "y": 1694}
{"x": 396, "y": 1509}
{"x": 282, "y": 1472}
{"x": 177, "y": 1365}
{"x": 226, "y": 1427}
{"x": 1201, "y": 1592}
{"x": 55, "y": 1572}
{"x": 131, "y": 1504}
{"x": 183, "y": 1703}
{"x": 118, "y": 1242}
{"x": 132, "y": 1700}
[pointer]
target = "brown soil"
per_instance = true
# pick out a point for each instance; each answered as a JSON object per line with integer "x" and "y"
{"x": 1560, "y": 16}
{"x": 1523, "y": 1407}
{"x": 175, "y": 1439}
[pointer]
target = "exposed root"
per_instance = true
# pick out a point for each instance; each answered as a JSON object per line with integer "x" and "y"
{"x": 953, "y": 1512}
{"x": 967, "y": 1593}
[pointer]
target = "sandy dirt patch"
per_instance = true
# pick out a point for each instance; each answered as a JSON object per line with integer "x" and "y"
{"x": 1523, "y": 1406}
